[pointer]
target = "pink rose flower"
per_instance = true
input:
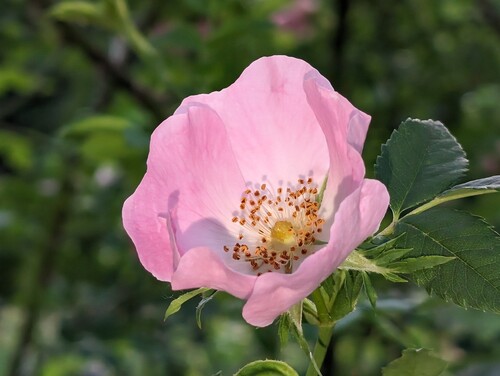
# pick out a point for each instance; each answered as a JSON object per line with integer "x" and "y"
{"x": 231, "y": 196}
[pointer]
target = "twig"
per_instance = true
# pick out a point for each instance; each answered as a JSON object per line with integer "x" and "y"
{"x": 154, "y": 102}
{"x": 44, "y": 271}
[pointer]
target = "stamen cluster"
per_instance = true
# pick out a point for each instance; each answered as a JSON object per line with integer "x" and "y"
{"x": 278, "y": 227}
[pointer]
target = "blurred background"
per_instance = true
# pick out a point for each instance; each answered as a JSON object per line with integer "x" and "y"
{"x": 83, "y": 85}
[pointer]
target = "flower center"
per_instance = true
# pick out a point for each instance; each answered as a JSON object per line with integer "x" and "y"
{"x": 283, "y": 233}
{"x": 277, "y": 228}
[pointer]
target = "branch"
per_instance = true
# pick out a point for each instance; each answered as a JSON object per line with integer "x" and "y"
{"x": 44, "y": 270}
{"x": 153, "y": 102}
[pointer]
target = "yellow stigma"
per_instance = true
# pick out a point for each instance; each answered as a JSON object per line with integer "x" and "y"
{"x": 282, "y": 232}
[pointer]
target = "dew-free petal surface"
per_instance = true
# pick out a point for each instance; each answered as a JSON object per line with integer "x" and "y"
{"x": 273, "y": 130}
{"x": 358, "y": 217}
{"x": 280, "y": 121}
{"x": 191, "y": 168}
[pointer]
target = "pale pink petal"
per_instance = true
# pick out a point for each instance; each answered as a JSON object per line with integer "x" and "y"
{"x": 191, "y": 168}
{"x": 147, "y": 230}
{"x": 344, "y": 128}
{"x": 357, "y": 218}
{"x": 208, "y": 181}
{"x": 372, "y": 213}
{"x": 274, "y": 132}
{"x": 202, "y": 267}
{"x": 358, "y": 127}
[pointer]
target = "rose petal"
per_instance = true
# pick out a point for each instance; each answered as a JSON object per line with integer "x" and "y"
{"x": 209, "y": 182}
{"x": 274, "y": 133}
{"x": 147, "y": 230}
{"x": 357, "y": 218}
{"x": 344, "y": 128}
{"x": 191, "y": 167}
{"x": 203, "y": 267}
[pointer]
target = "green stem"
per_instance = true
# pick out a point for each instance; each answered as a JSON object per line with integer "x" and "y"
{"x": 320, "y": 348}
{"x": 389, "y": 229}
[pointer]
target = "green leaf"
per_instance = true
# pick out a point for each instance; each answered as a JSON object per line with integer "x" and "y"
{"x": 414, "y": 264}
{"x": 416, "y": 362}
{"x": 81, "y": 12}
{"x": 93, "y": 124}
{"x": 419, "y": 161}
{"x": 283, "y": 329}
{"x": 267, "y": 368}
{"x": 471, "y": 188}
{"x": 369, "y": 290}
{"x": 479, "y": 186}
{"x": 18, "y": 80}
{"x": 16, "y": 151}
{"x": 310, "y": 312}
{"x": 391, "y": 255}
{"x": 393, "y": 277}
{"x": 347, "y": 297}
{"x": 103, "y": 137}
{"x": 118, "y": 11}
{"x": 319, "y": 197}
{"x": 329, "y": 285}
{"x": 472, "y": 279}
{"x": 356, "y": 261}
{"x": 295, "y": 313}
{"x": 113, "y": 15}
{"x": 177, "y": 303}
{"x": 207, "y": 296}
{"x": 377, "y": 245}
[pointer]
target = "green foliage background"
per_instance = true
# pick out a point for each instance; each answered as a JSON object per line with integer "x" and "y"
{"x": 80, "y": 93}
